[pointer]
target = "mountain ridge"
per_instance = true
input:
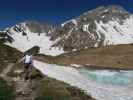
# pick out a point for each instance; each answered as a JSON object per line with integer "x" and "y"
{"x": 103, "y": 26}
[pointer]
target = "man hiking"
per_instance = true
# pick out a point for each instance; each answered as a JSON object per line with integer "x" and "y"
{"x": 28, "y": 61}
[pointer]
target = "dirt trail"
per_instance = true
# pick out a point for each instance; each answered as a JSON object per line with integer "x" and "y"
{"x": 23, "y": 89}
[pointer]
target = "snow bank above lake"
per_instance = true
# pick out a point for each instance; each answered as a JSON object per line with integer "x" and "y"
{"x": 73, "y": 77}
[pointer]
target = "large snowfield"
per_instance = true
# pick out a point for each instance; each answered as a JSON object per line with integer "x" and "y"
{"x": 97, "y": 90}
{"x": 25, "y": 42}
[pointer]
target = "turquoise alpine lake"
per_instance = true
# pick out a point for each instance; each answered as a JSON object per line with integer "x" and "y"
{"x": 108, "y": 76}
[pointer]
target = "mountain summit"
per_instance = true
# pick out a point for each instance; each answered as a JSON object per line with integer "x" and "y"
{"x": 99, "y": 27}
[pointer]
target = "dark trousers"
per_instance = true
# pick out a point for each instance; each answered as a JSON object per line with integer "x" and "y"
{"x": 27, "y": 71}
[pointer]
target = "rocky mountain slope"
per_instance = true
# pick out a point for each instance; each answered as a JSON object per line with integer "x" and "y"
{"x": 99, "y": 27}
{"x": 102, "y": 26}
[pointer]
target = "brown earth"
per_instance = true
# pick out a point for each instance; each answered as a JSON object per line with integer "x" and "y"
{"x": 113, "y": 57}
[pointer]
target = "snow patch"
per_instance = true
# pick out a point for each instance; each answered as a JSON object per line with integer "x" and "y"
{"x": 86, "y": 28}
{"x": 73, "y": 21}
{"x": 76, "y": 65}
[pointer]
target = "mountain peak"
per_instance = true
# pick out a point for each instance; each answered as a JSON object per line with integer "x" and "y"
{"x": 99, "y": 27}
{"x": 116, "y": 7}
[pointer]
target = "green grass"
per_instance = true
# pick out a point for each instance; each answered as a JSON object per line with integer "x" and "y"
{"x": 6, "y": 92}
{"x": 8, "y": 55}
{"x": 51, "y": 89}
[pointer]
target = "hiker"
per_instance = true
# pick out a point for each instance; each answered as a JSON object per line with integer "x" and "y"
{"x": 28, "y": 61}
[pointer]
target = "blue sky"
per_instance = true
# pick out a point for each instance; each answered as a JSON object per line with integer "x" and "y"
{"x": 52, "y": 11}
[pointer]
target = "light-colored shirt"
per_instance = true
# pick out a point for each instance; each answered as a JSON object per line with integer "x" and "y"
{"x": 28, "y": 59}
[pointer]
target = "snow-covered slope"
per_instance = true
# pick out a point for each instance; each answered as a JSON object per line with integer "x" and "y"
{"x": 116, "y": 33}
{"x": 24, "y": 39}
